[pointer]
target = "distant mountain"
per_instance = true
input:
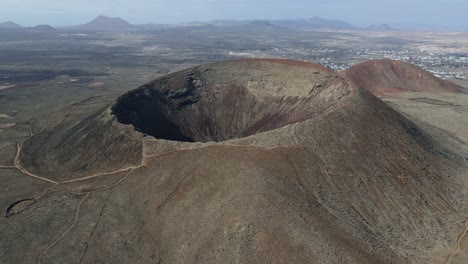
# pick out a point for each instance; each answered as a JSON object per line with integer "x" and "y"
{"x": 247, "y": 27}
{"x": 10, "y": 27}
{"x": 194, "y": 25}
{"x": 428, "y": 27}
{"x": 155, "y": 26}
{"x": 381, "y": 27}
{"x": 213, "y": 24}
{"x": 229, "y": 23}
{"x": 104, "y": 23}
{"x": 313, "y": 23}
{"x": 298, "y": 24}
{"x": 44, "y": 28}
{"x": 10, "y": 24}
{"x": 261, "y": 23}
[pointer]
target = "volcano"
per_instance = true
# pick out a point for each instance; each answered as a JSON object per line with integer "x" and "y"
{"x": 387, "y": 76}
{"x": 245, "y": 161}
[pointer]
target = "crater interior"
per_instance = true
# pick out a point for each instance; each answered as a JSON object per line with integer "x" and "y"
{"x": 228, "y": 100}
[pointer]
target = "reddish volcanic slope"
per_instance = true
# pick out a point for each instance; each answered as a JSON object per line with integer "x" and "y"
{"x": 389, "y": 76}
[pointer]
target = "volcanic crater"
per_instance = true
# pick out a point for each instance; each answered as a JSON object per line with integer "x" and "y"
{"x": 229, "y": 100}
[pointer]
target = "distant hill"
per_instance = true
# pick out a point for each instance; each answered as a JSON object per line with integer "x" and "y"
{"x": 381, "y": 27}
{"x": 229, "y": 23}
{"x": 10, "y": 24}
{"x": 313, "y": 23}
{"x": 251, "y": 27}
{"x": 299, "y": 24}
{"x": 104, "y": 23}
{"x": 261, "y": 23}
{"x": 44, "y": 28}
{"x": 9, "y": 28}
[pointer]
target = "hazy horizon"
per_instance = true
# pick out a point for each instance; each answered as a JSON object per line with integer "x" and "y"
{"x": 398, "y": 13}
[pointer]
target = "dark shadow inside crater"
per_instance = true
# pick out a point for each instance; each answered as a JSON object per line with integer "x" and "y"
{"x": 149, "y": 116}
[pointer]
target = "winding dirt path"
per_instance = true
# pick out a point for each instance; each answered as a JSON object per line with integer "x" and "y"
{"x": 7, "y": 167}
{"x": 77, "y": 211}
{"x": 101, "y": 174}
{"x": 458, "y": 244}
{"x": 100, "y": 189}
{"x": 19, "y": 147}
{"x": 22, "y": 169}
{"x": 77, "y": 214}
{"x": 462, "y": 235}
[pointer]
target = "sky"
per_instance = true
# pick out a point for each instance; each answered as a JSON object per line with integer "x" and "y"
{"x": 401, "y": 13}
